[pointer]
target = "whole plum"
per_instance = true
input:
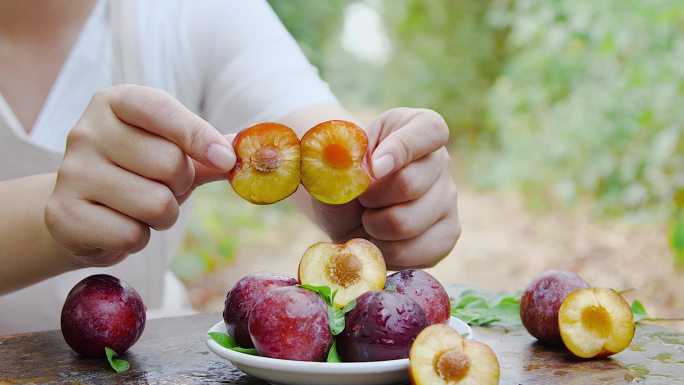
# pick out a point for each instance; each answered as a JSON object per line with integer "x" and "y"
{"x": 102, "y": 311}
{"x": 425, "y": 290}
{"x": 381, "y": 327}
{"x": 541, "y": 300}
{"x": 249, "y": 290}
{"x": 291, "y": 323}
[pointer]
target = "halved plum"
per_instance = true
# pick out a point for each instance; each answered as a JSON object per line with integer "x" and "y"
{"x": 333, "y": 155}
{"x": 267, "y": 168}
{"x": 595, "y": 322}
{"x": 440, "y": 356}
{"x": 351, "y": 268}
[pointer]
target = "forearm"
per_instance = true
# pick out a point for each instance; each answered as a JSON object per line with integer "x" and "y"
{"x": 28, "y": 254}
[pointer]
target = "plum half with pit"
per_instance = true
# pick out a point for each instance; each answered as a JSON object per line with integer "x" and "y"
{"x": 382, "y": 326}
{"x": 249, "y": 290}
{"x": 440, "y": 356}
{"x": 102, "y": 311}
{"x": 425, "y": 290}
{"x": 291, "y": 323}
{"x": 351, "y": 268}
{"x": 268, "y": 163}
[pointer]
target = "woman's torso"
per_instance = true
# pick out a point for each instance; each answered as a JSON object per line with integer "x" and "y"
{"x": 230, "y": 61}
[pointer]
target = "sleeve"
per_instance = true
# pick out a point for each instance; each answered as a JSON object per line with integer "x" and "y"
{"x": 252, "y": 68}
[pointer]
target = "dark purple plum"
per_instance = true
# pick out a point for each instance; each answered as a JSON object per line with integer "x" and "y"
{"x": 249, "y": 290}
{"x": 381, "y": 327}
{"x": 425, "y": 290}
{"x": 291, "y": 323}
{"x": 102, "y": 311}
{"x": 541, "y": 301}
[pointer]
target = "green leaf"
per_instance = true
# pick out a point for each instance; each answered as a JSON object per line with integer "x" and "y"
{"x": 119, "y": 365}
{"x": 335, "y": 315}
{"x": 223, "y": 339}
{"x": 470, "y": 298}
{"x": 391, "y": 288}
{"x": 471, "y": 318}
{"x": 332, "y": 353}
{"x": 335, "y": 320}
{"x": 324, "y": 291}
{"x": 507, "y": 312}
{"x": 350, "y": 306}
{"x": 639, "y": 312}
{"x": 476, "y": 308}
{"x": 228, "y": 342}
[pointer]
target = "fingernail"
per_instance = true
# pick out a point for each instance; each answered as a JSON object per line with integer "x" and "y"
{"x": 221, "y": 157}
{"x": 383, "y": 165}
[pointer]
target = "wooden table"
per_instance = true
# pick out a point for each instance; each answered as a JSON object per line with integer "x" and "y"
{"x": 173, "y": 351}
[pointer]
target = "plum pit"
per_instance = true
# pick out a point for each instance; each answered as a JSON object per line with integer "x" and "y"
{"x": 452, "y": 365}
{"x": 267, "y": 159}
{"x": 344, "y": 269}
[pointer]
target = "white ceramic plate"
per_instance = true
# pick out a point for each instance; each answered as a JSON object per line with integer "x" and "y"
{"x": 286, "y": 372}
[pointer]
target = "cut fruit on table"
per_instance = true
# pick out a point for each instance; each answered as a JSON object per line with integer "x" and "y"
{"x": 595, "y": 322}
{"x": 440, "y": 356}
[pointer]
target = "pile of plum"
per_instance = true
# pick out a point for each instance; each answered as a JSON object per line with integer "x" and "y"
{"x": 343, "y": 301}
{"x": 283, "y": 320}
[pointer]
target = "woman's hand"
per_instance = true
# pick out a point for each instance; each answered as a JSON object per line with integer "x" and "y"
{"x": 410, "y": 210}
{"x": 134, "y": 156}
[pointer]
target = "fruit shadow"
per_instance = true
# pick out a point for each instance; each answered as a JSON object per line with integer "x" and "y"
{"x": 538, "y": 358}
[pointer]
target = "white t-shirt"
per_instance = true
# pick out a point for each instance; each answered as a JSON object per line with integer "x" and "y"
{"x": 230, "y": 61}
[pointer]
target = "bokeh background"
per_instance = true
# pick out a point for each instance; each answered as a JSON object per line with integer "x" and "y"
{"x": 567, "y": 140}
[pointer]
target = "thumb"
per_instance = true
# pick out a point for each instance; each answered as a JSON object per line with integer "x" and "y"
{"x": 204, "y": 174}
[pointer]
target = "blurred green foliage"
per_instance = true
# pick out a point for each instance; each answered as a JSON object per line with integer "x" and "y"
{"x": 222, "y": 222}
{"x": 311, "y": 23}
{"x": 567, "y": 101}
{"x": 589, "y": 103}
{"x": 446, "y": 57}
{"x": 207, "y": 242}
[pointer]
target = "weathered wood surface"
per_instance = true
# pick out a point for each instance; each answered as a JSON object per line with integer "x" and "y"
{"x": 173, "y": 351}
{"x": 655, "y": 356}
